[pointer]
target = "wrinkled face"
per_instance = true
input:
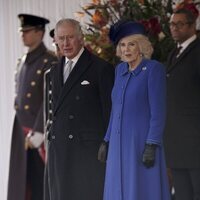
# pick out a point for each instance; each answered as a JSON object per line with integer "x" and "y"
{"x": 31, "y": 37}
{"x": 69, "y": 40}
{"x": 129, "y": 49}
{"x": 180, "y": 28}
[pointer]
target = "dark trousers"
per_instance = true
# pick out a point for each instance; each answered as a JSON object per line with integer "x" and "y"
{"x": 35, "y": 175}
{"x": 186, "y": 183}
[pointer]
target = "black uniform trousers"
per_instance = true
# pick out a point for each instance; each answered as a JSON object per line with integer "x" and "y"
{"x": 35, "y": 174}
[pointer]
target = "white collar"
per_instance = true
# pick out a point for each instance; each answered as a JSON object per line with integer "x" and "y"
{"x": 75, "y": 59}
{"x": 187, "y": 42}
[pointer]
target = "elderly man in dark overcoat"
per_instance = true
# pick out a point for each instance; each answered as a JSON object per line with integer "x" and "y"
{"x": 81, "y": 96}
{"x": 182, "y": 134}
{"x": 27, "y": 155}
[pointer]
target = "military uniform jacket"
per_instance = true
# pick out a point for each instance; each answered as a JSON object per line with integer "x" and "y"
{"x": 182, "y": 134}
{"x": 81, "y": 109}
{"x": 29, "y": 114}
{"x": 29, "y": 87}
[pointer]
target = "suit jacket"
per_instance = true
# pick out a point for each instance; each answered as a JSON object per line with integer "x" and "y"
{"x": 182, "y": 133}
{"x": 29, "y": 114}
{"x": 81, "y": 109}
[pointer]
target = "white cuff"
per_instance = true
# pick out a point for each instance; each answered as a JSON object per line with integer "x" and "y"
{"x": 36, "y": 139}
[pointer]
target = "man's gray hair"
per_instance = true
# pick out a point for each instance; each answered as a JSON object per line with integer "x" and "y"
{"x": 72, "y": 22}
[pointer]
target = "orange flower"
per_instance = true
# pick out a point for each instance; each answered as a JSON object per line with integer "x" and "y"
{"x": 99, "y": 19}
{"x": 141, "y": 1}
{"x": 96, "y": 2}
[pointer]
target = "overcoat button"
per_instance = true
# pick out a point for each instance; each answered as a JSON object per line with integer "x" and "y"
{"x": 53, "y": 137}
{"x": 167, "y": 75}
{"x": 70, "y": 137}
{"x": 77, "y": 97}
{"x": 71, "y": 116}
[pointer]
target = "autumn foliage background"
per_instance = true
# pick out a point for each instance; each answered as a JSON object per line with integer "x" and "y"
{"x": 153, "y": 14}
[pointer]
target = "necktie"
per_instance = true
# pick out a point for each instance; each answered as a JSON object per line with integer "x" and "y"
{"x": 176, "y": 53}
{"x": 67, "y": 70}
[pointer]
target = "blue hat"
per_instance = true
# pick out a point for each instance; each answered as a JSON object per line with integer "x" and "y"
{"x": 125, "y": 28}
{"x": 30, "y": 21}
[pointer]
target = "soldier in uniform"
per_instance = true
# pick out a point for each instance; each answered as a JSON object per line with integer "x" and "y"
{"x": 27, "y": 155}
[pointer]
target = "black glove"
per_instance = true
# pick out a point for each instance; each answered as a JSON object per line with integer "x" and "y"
{"x": 103, "y": 152}
{"x": 148, "y": 158}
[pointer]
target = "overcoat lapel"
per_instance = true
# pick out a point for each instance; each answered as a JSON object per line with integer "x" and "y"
{"x": 171, "y": 65}
{"x": 58, "y": 78}
{"x": 81, "y": 66}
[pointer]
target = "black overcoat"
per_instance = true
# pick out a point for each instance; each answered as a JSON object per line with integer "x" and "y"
{"x": 182, "y": 134}
{"x": 81, "y": 109}
{"x": 29, "y": 114}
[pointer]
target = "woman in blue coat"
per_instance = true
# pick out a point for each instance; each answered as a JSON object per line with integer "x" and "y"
{"x": 135, "y": 164}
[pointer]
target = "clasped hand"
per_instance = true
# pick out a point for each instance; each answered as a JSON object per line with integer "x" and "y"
{"x": 103, "y": 151}
{"x": 148, "y": 158}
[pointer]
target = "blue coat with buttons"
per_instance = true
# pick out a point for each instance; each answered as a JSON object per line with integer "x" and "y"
{"x": 138, "y": 117}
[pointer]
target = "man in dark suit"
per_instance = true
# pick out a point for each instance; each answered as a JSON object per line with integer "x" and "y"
{"x": 27, "y": 155}
{"x": 81, "y": 109}
{"x": 182, "y": 134}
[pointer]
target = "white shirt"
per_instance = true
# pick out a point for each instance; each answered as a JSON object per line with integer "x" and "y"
{"x": 75, "y": 59}
{"x": 185, "y": 44}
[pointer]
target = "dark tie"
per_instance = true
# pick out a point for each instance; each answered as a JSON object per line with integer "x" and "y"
{"x": 176, "y": 54}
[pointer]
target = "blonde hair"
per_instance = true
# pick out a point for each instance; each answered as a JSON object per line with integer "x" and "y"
{"x": 144, "y": 44}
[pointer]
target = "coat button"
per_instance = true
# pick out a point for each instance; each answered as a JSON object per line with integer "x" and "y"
{"x": 33, "y": 83}
{"x": 26, "y": 107}
{"x": 45, "y": 60}
{"x": 39, "y": 71}
{"x": 28, "y": 95}
{"x": 77, "y": 97}
{"x": 71, "y": 116}
{"x": 70, "y": 137}
{"x": 168, "y": 75}
{"x": 53, "y": 137}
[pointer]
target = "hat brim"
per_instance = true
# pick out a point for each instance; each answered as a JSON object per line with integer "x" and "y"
{"x": 27, "y": 28}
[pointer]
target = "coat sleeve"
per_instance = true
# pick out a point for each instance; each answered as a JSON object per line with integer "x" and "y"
{"x": 157, "y": 102}
{"x": 108, "y": 132}
{"x": 105, "y": 88}
{"x": 39, "y": 121}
